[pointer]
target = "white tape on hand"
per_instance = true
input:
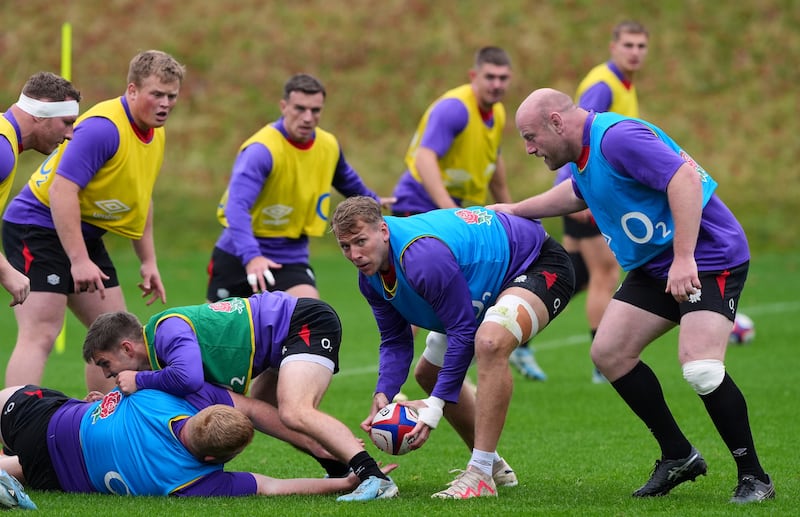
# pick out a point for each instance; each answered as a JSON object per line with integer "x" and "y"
{"x": 269, "y": 277}
{"x": 252, "y": 279}
{"x": 431, "y": 415}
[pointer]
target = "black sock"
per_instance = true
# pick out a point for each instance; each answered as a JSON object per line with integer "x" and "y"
{"x": 728, "y": 410}
{"x": 640, "y": 389}
{"x": 365, "y": 466}
{"x": 334, "y": 468}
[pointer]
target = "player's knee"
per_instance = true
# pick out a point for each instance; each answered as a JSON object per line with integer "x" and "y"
{"x": 426, "y": 374}
{"x": 294, "y": 418}
{"x": 435, "y": 347}
{"x": 705, "y": 375}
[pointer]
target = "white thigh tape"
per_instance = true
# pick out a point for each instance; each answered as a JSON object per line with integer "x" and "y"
{"x": 506, "y": 313}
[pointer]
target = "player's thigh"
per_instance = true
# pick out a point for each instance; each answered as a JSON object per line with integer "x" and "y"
{"x": 625, "y": 331}
{"x": 703, "y": 335}
{"x": 516, "y": 316}
{"x": 41, "y": 317}
{"x": 303, "y": 291}
{"x": 302, "y": 384}
{"x": 88, "y": 306}
{"x": 547, "y": 285}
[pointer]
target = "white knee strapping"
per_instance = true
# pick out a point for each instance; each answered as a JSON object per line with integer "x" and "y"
{"x": 435, "y": 347}
{"x": 506, "y": 313}
{"x": 704, "y": 375}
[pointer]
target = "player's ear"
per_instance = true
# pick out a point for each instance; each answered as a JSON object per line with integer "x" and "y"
{"x": 127, "y": 347}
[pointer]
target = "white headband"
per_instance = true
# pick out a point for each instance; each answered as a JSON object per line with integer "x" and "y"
{"x": 47, "y": 109}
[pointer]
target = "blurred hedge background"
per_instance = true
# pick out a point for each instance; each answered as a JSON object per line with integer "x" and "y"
{"x": 720, "y": 77}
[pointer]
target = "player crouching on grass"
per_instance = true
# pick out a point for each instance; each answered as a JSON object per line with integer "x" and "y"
{"x": 234, "y": 341}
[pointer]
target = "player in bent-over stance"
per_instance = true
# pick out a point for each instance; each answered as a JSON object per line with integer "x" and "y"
{"x": 484, "y": 282}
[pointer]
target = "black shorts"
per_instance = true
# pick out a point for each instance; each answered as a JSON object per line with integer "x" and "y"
{"x": 24, "y": 422}
{"x": 579, "y": 230}
{"x": 227, "y": 277}
{"x": 720, "y": 291}
{"x": 37, "y": 252}
{"x": 550, "y": 277}
{"x": 314, "y": 329}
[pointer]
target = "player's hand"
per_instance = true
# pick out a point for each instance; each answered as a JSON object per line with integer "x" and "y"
{"x": 93, "y": 396}
{"x": 683, "y": 282}
{"x": 126, "y": 382}
{"x": 151, "y": 284}
{"x": 387, "y": 202}
{"x": 259, "y": 274}
{"x": 507, "y": 208}
{"x": 17, "y": 284}
{"x": 379, "y": 401}
{"x": 422, "y": 431}
{"x": 418, "y": 436}
{"x": 87, "y": 277}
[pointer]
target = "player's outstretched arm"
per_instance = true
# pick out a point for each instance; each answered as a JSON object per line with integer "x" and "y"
{"x": 274, "y": 486}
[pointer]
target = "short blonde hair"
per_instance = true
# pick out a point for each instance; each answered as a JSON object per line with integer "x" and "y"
{"x": 355, "y": 210}
{"x": 221, "y": 432}
{"x": 157, "y": 63}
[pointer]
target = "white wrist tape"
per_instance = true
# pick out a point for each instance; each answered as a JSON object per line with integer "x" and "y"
{"x": 431, "y": 414}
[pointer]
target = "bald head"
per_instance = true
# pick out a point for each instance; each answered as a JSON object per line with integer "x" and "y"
{"x": 541, "y": 103}
{"x": 552, "y": 126}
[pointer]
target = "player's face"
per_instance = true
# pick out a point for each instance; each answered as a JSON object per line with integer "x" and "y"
{"x": 367, "y": 247}
{"x": 542, "y": 141}
{"x": 51, "y": 132}
{"x": 301, "y": 113}
{"x": 490, "y": 83}
{"x": 118, "y": 360}
{"x": 629, "y": 51}
{"x": 152, "y": 102}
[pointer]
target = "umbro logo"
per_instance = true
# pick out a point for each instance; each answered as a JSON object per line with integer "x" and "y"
{"x": 276, "y": 215}
{"x": 112, "y": 206}
{"x": 277, "y": 211}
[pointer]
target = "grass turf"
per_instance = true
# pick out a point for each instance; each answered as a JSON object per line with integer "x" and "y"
{"x": 576, "y": 447}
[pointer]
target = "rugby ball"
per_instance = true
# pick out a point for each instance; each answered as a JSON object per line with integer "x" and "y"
{"x": 390, "y": 428}
{"x": 743, "y": 332}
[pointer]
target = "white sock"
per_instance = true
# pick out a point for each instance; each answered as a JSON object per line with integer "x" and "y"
{"x": 482, "y": 460}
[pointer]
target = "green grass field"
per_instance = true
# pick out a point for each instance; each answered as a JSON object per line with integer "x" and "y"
{"x": 577, "y": 449}
{"x": 721, "y": 77}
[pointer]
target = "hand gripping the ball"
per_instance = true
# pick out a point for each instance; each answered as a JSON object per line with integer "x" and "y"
{"x": 429, "y": 413}
{"x": 432, "y": 412}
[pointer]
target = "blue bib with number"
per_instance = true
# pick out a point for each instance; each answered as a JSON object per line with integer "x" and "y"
{"x": 636, "y": 220}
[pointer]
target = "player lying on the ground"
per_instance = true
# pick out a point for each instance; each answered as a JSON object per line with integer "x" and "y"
{"x": 146, "y": 443}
